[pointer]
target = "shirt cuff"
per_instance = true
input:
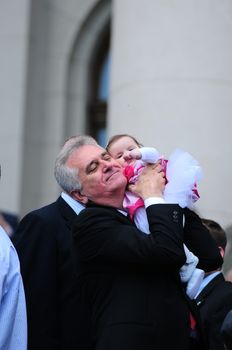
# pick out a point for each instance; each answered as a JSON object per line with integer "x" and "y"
{"x": 153, "y": 200}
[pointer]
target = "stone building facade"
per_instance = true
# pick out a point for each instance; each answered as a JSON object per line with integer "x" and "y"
{"x": 169, "y": 83}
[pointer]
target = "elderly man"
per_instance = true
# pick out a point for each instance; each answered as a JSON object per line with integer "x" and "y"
{"x": 130, "y": 280}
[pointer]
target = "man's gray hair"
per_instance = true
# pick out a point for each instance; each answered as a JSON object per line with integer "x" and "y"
{"x": 67, "y": 177}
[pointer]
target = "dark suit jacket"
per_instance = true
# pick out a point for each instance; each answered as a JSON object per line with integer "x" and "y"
{"x": 214, "y": 301}
{"x": 56, "y": 318}
{"x": 131, "y": 280}
{"x": 226, "y": 330}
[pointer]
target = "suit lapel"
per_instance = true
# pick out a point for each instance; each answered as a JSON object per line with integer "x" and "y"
{"x": 66, "y": 211}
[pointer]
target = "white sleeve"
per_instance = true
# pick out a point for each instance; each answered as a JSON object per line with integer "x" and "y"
{"x": 4, "y": 261}
{"x": 153, "y": 200}
{"x": 149, "y": 154}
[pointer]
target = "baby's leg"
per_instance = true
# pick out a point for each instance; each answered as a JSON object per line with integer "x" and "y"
{"x": 194, "y": 283}
{"x": 191, "y": 262}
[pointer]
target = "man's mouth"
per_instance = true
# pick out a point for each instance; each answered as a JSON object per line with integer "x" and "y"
{"x": 112, "y": 174}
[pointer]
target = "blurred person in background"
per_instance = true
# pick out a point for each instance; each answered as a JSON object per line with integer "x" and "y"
{"x": 226, "y": 331}
{"x": 228, "y": 275}
{"x": 9, "y": 222}
{"x": 214, "y": 297}
{"x": 13, "y": 318}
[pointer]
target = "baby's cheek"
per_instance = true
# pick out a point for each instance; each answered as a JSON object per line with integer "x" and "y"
{"x": 122, "y": 162}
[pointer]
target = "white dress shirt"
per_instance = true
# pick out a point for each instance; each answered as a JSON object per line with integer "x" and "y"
{"x": 13, "y": 319}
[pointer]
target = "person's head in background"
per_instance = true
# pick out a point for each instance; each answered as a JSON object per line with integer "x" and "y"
{"x": 119, "y": 145}
{"x": 217, "y": 233}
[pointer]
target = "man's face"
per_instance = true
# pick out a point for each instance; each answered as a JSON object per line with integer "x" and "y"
{"x": 101, "y": 176}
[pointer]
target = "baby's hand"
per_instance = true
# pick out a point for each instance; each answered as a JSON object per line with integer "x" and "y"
{"x": 133, "y": 154}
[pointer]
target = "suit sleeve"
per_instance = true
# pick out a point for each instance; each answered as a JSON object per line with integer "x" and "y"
{"x": 106, "y": 235}
{"x": 199, "y": 241}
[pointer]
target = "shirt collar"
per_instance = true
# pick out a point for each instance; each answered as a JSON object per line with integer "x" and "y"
{"x": 75, "y": 205}
{"x": 206, "y": 280}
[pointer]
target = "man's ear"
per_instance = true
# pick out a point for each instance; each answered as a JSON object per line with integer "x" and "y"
{"x": 222, "y": 251}
{"x": 79, "y": 197}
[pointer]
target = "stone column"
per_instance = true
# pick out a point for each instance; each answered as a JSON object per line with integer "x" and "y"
{"x": 171, "y": 86}
{"x": 14, "y": 23}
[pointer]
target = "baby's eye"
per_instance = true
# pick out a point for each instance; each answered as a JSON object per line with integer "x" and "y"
{"x": 107, "y": 156}
{"x": 131, "y": 148}
{"x": 119, "y": 156}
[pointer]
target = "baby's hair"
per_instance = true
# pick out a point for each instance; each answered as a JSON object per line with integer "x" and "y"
{"x": 119, "y": 136}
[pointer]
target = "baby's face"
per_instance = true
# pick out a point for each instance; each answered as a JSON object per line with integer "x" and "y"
{"x": 118, "y": 149}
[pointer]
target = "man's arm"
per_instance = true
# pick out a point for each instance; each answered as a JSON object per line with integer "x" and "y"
{"x": 104, "y": 234}
{"x": 200, "y": 242}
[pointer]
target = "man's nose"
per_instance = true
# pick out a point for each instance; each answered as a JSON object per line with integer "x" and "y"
{"x": 106, "y": 165}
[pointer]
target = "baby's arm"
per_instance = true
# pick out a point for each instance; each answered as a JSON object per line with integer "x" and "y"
{"x": 146, "y": 154}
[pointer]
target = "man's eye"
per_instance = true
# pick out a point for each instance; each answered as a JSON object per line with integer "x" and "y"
{"x": 92, "y": 167}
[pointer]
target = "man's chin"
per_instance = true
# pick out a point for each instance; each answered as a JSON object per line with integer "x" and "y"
{"x": 120, "y": 181}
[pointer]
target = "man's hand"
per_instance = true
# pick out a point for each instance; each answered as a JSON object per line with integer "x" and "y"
{"x": 151, "y": 182}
